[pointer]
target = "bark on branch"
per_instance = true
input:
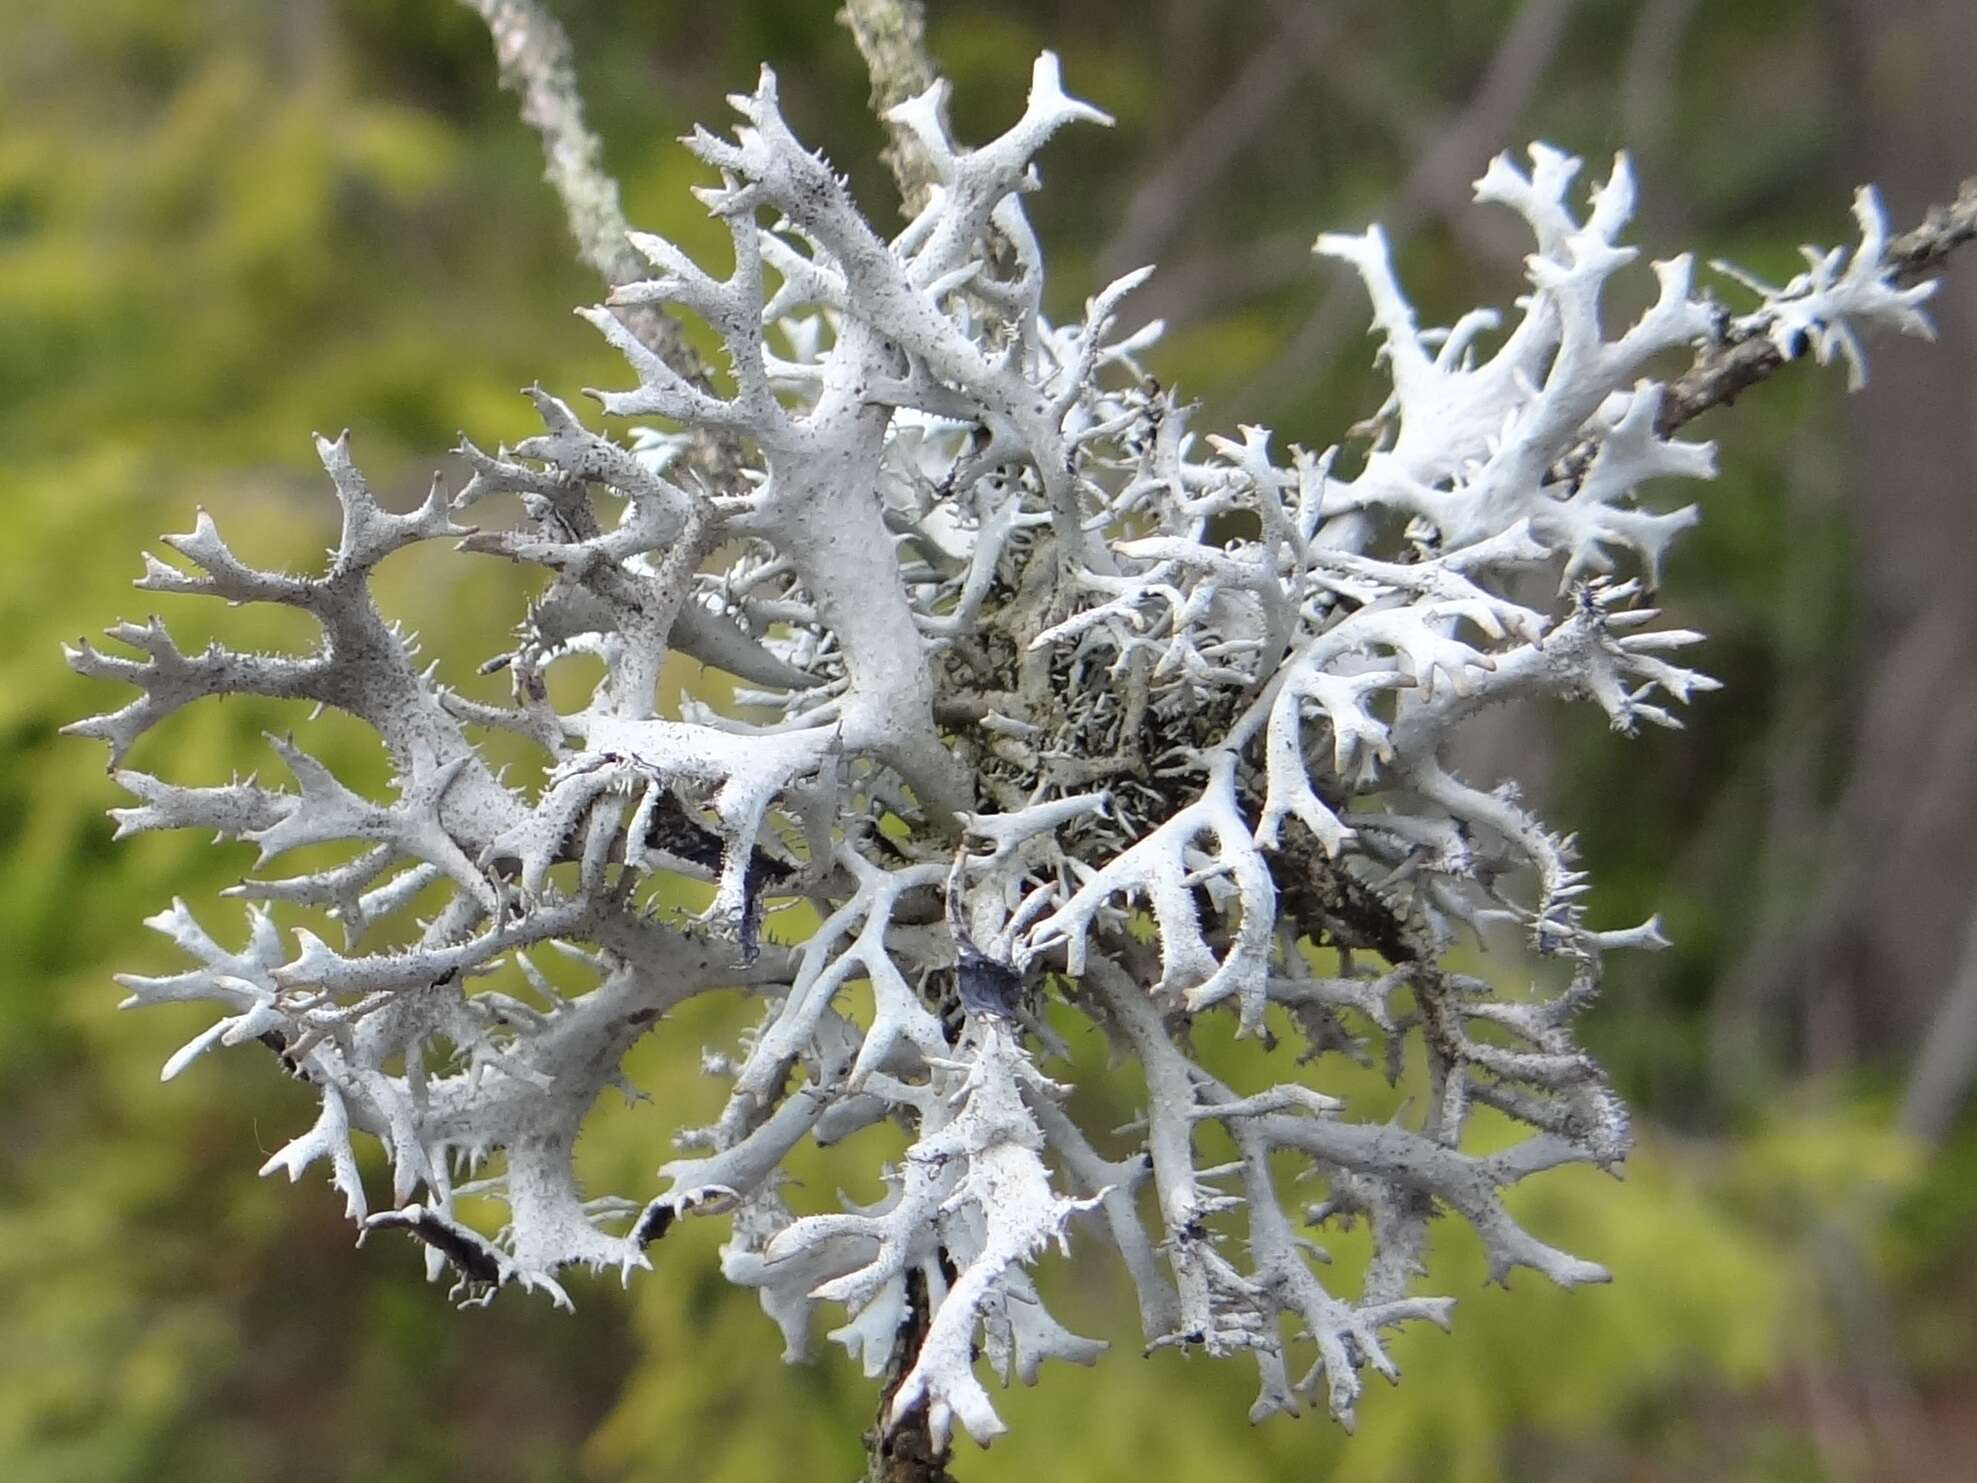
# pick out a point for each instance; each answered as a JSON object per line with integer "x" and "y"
{"x": 1723, "y": 372}
{"x": 906, "y": 1453}
{"x": 1747, "y": 354}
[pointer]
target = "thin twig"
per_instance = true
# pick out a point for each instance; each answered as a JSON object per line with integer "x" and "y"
{"x": 1724, "y": 371}
{"x": 534, "y": 56}
{"x": 892, "y": 38}
{"x": 1916, "y": 254}
{"x": 1747, "y": 354}
{"x": 533, "y": 53}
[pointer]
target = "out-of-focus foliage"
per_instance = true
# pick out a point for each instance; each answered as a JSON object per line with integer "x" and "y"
{"x": 225, "y": 224}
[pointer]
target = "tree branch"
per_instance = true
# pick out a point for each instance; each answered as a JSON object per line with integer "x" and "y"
{"x": 906, "y": 1453}
{"x": 1747, "y": 354}
{"x": 1941, "y": 1077}
{"x": 1918, "y": 253}
{"x": 533, "y": 53}
{"x": 892, "y": 38}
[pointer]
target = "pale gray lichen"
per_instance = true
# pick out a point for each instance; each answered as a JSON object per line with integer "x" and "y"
{"x": 980, "y": 580}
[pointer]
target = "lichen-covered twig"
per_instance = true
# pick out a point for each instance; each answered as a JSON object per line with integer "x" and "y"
{"x": 1758, "y": 345}
{"x": 891, "y": 36}
{"x": 533, "y": 53}
{"x": 1754, "y": 347}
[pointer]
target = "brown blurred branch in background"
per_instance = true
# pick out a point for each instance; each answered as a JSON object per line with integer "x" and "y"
{"x": 1310, "y": 43}
{"x": 1947, "y": 1061}
{"x": 1650, "y": 73}
{"x": 1249, "y": 106}
{"x": 1437, "y": 181}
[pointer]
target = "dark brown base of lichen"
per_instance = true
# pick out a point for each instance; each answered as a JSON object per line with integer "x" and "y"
{"x": 906, "y": 1453}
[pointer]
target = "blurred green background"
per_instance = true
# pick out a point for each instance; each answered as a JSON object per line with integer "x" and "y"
{"x": 226, "y": 224}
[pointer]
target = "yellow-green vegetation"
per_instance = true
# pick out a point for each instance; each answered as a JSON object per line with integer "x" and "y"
{"x": 225, "y": 225}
